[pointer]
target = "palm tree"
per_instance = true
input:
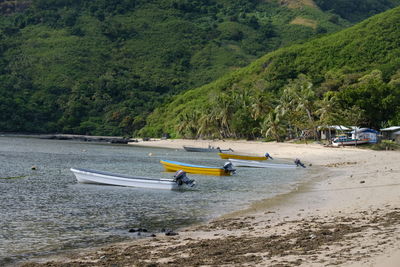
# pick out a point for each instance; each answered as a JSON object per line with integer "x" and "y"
{"x": 299, "y": 96}
{"x": 206, "y": 125}
{"x": 329, "y": 111}
{"x": 273, "y": 126}
{"x": 187, "y": 125}
{"x": 354, "y": 116}
{"x": 261, "y": 104}
{"x": 221, "y": 109}
{"x": 240, "y": 96}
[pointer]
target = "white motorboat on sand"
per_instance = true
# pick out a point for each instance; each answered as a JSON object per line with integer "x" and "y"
{"x": 344, "y": 141}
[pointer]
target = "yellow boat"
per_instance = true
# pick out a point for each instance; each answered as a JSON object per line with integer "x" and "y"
{"x": 173, "y": 166}
{"x": 243, "y": 156}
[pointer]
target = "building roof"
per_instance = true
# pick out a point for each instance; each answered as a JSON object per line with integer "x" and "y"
{"x": 334, "y": 127}
{"x": 364, "y": 130}
{"x": 392, "y": 128}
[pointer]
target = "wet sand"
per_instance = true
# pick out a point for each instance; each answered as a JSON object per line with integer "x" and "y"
{"x": 347, "y": 215}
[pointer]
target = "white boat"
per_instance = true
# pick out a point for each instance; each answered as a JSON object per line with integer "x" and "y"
{"x": 344, "y": 141}
{"x": 258, "y": 164}
{"x": 107, "y": 178}
{"x": 208, "y": 149}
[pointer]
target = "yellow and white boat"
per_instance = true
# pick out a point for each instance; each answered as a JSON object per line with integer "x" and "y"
{"x": 173, "y": 166}
{"x": 243, "y": 156}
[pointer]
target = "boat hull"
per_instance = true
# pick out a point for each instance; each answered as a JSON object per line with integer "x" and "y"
{"x": 173, "y": 166}
{"x": 257, "y": 164}
{"x": 105, "y": 178}
{"x": 350, "y": 142}
{"x": 200, "y": 149}
{"x": 243, "y": 157}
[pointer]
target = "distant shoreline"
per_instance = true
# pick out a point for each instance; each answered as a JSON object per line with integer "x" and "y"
{"x": 75, "y": 137}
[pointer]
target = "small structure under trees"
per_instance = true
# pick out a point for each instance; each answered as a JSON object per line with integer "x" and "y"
{"x": 391, "y": 133}
{"x": 331, "y": 131}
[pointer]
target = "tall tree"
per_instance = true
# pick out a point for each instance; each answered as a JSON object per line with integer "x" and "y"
{"x": 273, "y": 126}
{"x": 299, "y": 96}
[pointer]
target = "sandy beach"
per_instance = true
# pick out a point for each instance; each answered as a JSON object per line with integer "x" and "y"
{"x": 348, "y": 214}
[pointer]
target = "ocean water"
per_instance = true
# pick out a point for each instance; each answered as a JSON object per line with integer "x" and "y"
{"x": 46, "y": 211}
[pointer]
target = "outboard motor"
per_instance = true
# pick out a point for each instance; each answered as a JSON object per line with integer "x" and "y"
{"x": 228, "y": 167}
{"x": 181, "y": 178}
{"x": 267, "y": 155}
{"x": 299, "y": 163}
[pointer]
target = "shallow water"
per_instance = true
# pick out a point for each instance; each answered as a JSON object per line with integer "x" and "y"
{"x": 45, "y": 211}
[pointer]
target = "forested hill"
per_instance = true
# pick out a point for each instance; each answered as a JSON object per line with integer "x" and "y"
{"x": 101, "y": 66}
{"x": 356, "y": 10}
{"x": 347, "y": 78}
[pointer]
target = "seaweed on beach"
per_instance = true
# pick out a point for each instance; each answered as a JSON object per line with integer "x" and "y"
{"x": 308, "y": 239}
{"x": 13, "y": 177}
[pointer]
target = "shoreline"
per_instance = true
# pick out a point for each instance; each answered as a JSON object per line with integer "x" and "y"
{"x": 74, "y": 137}
{"x": 351, "y": 200}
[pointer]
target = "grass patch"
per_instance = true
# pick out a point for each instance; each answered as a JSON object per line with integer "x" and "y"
{"x": 305, "y": 22}
{"x": 385, "y": 145}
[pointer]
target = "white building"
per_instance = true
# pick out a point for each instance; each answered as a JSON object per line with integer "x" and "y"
{"x": 365, "y": 133}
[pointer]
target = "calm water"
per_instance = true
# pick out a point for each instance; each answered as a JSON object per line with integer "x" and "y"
{"x": 45, "y": 211}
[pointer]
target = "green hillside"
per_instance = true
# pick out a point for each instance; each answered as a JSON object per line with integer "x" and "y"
{"x": 351, "y": 77}
{"x": 356, "y": 10}
{"x": 100, "y": 67}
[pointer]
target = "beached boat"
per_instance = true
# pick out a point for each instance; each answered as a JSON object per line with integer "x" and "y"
{"x": 345, "y": 141}
{"x": 243, "y": 156}
{"x": 202, "y": 149}
{"x": 258, "y": 164}
{"x": 172, "y": 166}
{"x": 106, "y": 178}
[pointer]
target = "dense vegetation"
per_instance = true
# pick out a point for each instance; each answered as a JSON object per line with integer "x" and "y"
{"x": 350, "y": 78}
{"x": 100, "y": 67}
{"x": 356, "y": 10}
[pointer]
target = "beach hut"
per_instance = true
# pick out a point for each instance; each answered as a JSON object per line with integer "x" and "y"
{"x": 365, "y": 133}
{"x": 391, "y": 133}
{"x": 331, "y": 131}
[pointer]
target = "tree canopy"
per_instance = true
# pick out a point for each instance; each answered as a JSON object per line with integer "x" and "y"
{"x": 350, "y": 77}
{"x": 101, "y": 67}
